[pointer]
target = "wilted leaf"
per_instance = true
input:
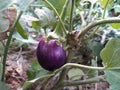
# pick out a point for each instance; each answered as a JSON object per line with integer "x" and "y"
{"x": 75, "y": 73}
{"x": 10, "y": 14}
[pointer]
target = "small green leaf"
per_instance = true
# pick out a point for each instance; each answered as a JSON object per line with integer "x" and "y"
{"x": 75, "y": 73}
{"x": 113, "y": 77}
{"x": 92, "y": 73}
{"x": 36, "y": 71}
{"x": 96, "y": 48}
{"x": 21, "y": 31}
{"x": 4, "y": 4}
{"x": 36, "y": 24}
{"x": 104, "y": 2}
{"x": 58, "y": 4}
{"x": 115, "y": 25}
{"x": 110, "y": 54}
{"x": 3, "y": 86}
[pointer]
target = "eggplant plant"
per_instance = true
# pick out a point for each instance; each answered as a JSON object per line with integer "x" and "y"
{"x": 76, "y": 37}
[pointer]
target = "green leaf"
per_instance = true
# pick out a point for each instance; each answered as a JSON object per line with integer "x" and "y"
{"x": 20, "y": 38}
{"x": 23, "y": 4}
{"x": 96, "y": 48}
{"x": 75, "y": 73}
{"x": 110, "y": 54}
{"x": 27, "y": 84}
{"x": 92, "y": 73}
{"x": 114, "y": 63}
{"x": 104, "y": 2}
{"x": 113, "y": 77}
{"x": 36, "y": 24}
{"x": 3, "y": 86}
{"x": 115, "y": 25}
{"x": 4, "y": 23}
{"x": 36, "y": 71}
{"x": 4, "y": 4}
{"x": 58, "y": 4}
{"x": 46, "y": 17}
{"x": 21, "y": 31}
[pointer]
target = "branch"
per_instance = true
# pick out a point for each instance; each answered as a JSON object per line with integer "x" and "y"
{"x": 87, "y": 81}
{"x": 96, "y": 23}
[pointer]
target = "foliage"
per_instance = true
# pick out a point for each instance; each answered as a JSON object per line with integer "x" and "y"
{"x": 3, "y": 86}
{"x": 88, "y": 30}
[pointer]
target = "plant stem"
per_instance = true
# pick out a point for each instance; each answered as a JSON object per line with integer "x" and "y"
{"x": 96, "y": 23}
{"x": 105, "y": 9}
{"x": 63, "y": 72}
{"x": 8, "y": 44}
{"x": 36, "y": 81}
{"x": 81, "y": 82}
{"x": 82, "y": 66}
{"x": 58, "y": 29}
{"x": 91, "y": 35}
{"x": 64, "y": 10}
{"x": 71, "y": 15}
{"x": 64, "y": 29}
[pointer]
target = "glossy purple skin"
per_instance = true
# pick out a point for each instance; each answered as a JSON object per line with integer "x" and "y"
{"x": 50, "y": 55}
